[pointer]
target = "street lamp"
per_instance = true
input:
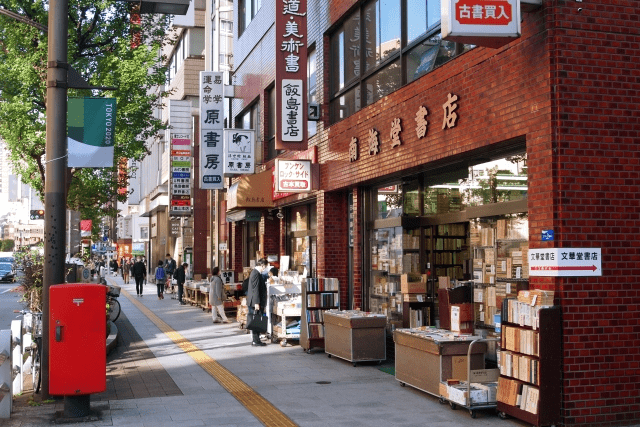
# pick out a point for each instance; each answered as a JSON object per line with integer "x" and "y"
{"x": 55, "y": 200}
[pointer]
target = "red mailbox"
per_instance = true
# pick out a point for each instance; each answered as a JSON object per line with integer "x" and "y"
{"x": 77, "y": 339}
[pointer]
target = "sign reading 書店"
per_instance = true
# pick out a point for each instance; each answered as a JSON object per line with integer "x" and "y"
{"x": 211, "y": 130}
{"x": 91, "y": 124}
{"x": 291, "y": 74}
{"x": 489, "y": 23}
{"x": 565, "y": 262}
{"x": 293, "y": 176}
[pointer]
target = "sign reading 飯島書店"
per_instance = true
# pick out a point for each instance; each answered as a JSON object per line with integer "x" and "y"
{"x": 91, "y": 124}
{"x": 238, "y": 151}
{"x": 211, "y": 130}
{"x": 489, "y": 23}
{"x": 293, "y": 176}
{"x": 291, "y": 74}
{"x": 565, "y": 262}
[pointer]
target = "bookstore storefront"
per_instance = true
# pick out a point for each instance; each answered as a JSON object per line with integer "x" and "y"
{"x": 467, "y": 224}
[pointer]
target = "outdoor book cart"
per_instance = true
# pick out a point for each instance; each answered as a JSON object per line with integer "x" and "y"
{"x": 475, "y": 376}
{"x": 283, "y": 305}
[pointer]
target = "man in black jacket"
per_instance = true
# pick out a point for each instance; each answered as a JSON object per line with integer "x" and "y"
{"x": 257, "y": 295}
{"x": 180, "y": 276}
{"x": 139, "y": 274}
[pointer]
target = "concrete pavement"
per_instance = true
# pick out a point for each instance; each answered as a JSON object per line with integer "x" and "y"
{"x": 158, "y": 379}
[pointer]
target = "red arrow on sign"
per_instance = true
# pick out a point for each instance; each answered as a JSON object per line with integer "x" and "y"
{"x": 558, "y": 268}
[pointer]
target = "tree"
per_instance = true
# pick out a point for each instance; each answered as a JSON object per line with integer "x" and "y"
{"x": 8, "y": 245}
{"x": 101, "y": 50}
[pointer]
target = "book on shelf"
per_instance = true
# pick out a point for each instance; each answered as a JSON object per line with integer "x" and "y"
{"x": 518, "y": 366}
{"x": 315, "y": 316}
{"x": 520, "y": 340}
{"x": 316, "y": 331}
{"x": 526, "y": 310}
{"x": 321, "y": 300}
{"x": 322, "y": 284}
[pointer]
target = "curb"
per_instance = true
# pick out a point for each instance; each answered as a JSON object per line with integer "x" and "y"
{"x": 112, "y": 339}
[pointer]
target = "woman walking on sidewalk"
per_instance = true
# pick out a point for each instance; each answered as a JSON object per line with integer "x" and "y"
{"x": 160, "y": 277}
{"x": 215, "y": 297}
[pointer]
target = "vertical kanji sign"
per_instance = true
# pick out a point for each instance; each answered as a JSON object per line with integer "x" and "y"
{"x": 180, "y": 174}
{"x": 291, "y": 74}
{"x": 211, "y": 130}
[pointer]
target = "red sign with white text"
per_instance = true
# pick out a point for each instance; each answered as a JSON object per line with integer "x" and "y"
{"x": 484, "y": 12}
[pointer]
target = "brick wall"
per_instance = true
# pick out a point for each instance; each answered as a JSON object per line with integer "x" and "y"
{"x": 597, "y": 175}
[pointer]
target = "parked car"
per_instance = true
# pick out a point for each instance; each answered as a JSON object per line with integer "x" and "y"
{"x": 7, "y": 272}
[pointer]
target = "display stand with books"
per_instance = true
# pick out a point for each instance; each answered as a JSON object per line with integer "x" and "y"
{"x": 530, "y": 359}
{"x": 283, "y": 311}
{"x": 318, "y": 295}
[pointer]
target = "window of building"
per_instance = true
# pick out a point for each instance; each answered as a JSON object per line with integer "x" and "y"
{"x": 301, "y": 228}
{"x": 312, "y": 87}
{"x": 144, "y": 232}
{"x": 250, "y": 119}
{"x": 382, "y": 46}
{"x": 248, "y": 10}
{"x": 272, "y": 153}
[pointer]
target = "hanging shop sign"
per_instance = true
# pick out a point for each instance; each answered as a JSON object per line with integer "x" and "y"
{"x": 137, "y": 249}
{"x": 309, "y": 154}
{"x": 175, "y": 228}
{"x": 565, "y": 262}
{"x": 180, "y": 186}
{"x": 489, "y": 23}
{"x": 291, "y": 74}
{"x": 239, "y": 151}
{"x": 211, "y": 130}
{"x": 293, "y": 176}
{"x": 91, "y": 124}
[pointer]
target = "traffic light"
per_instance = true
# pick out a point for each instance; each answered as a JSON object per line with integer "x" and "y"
{"x": 37, "y": 214}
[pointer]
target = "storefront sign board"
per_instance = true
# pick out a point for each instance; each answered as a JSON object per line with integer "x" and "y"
{"x": 291, "y": 74}
{"x": 565, "y": 262}
{"x": 180, "y": 186}
{"x": 309, "y": 154}
{"x": 239, "y": 146}
{"x": 211, "y": 130}
{"x": 490, "y": 23}
{"x": 293, "y": 176}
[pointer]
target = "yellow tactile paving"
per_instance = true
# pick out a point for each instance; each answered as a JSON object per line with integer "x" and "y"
{"x": 261, "y": 408}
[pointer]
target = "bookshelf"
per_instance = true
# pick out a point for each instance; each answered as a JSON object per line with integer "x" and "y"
{"x": 530, "y": 360}
{"x": 446, "y": 247}
{"x": 318, "y": 295}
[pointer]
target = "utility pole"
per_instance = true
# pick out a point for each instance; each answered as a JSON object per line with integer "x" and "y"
{"x": 55, "y": 200}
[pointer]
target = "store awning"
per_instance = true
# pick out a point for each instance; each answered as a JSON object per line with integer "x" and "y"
{"x": 252, "y": 191}
{"x": 244, "y": 215}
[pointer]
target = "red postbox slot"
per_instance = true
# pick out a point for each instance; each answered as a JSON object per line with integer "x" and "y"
{"x": 77, "y": 339}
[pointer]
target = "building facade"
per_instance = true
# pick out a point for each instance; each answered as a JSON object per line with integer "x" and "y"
{"x": 458, "y": 161}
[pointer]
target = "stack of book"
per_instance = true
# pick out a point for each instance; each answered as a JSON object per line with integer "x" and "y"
{"x": 517, "y": 394}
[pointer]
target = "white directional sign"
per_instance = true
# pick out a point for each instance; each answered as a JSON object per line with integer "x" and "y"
{"x": 565, "y": 262}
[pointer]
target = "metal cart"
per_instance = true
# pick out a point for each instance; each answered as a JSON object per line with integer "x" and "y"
{"x": 475, "y": 376}
{"x": 277, "y": 316}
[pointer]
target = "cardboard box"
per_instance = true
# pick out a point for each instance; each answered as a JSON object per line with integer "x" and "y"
{"x": 413, "y": 284}
{"x": 458, "y": 394}
{"x": 444, "y": 390}
{"x": 444, "y": 282}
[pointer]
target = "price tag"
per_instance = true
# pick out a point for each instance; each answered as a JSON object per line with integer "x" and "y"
{"x": 508, "y": 288}
{"x": 518, "y": 272}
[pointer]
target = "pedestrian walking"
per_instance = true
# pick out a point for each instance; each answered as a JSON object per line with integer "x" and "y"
{"x": 140, "y": 275}
{"x": 180, "y": 276}
{"x": 125, "y": 271}
{"x": 257, "y": 295}
{"x": 169, "y": 269}
{"x": 160, "y": 277}
{"x": 216, "y": 297}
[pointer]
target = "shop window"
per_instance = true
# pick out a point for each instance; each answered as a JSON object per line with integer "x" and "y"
{"x": 144, "y": 232}
{"x": 389, "y": 201}
{"x": 312, "y": 88}
{"x": 301, "y": 227}
{"x": 298, "y": 220}
{"x": 367, "y": 51}
{"x": 496, "y": 181}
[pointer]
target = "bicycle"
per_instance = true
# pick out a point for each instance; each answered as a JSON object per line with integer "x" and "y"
{"x": 113, "y": 305}
{"x": 33, "y": 324}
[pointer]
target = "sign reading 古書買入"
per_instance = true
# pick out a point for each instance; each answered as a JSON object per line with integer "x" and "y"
{"x": 489, "y": 23}
{"x": 293, "y": 176}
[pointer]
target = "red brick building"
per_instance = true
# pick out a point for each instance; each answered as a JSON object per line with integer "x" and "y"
{"x": 540, "y": 134}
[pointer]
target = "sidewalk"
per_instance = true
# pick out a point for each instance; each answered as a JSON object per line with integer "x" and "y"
{"x": 163, "y": 375}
